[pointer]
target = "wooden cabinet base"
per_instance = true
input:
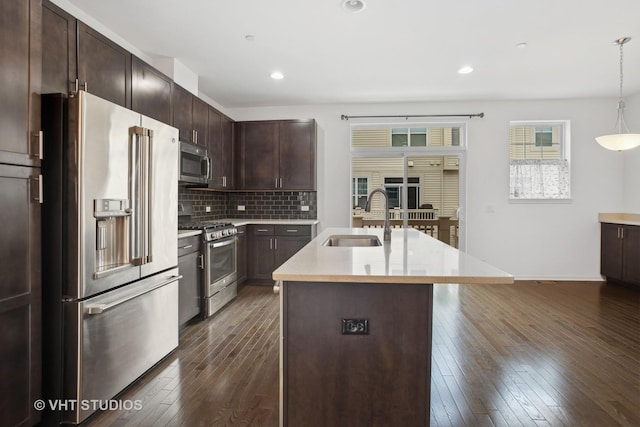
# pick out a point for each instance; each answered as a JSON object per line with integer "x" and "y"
{"x": 619, "y": 253}
{"x": 381, "y": 378}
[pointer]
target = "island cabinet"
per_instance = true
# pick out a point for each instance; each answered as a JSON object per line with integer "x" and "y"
{"x": 277, "y": 155}
{"x": 620, "y": 252}
{"x": 337, "y": 375}
{"x": 190, "y": 116}
{"x": 190, "y": 265}
{"x": 150, "y": 91}
{"x": 271, "y": 245}
{"x": 20, "y": 77}
{"x": 220, "y": 146}
{"x": 356, "y": 319}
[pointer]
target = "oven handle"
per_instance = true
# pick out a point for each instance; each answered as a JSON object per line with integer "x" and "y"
{"x": 221, "y": 244}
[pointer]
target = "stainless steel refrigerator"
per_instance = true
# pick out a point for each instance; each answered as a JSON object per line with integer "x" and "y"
{"x": 110, "y": 277}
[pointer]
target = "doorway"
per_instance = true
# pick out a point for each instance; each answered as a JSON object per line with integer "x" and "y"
{"x": 421, "y": 168}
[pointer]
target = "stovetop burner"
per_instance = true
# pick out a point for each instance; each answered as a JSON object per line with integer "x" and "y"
{"x": 204, "y": 225}
{"x": 211, "y": 230}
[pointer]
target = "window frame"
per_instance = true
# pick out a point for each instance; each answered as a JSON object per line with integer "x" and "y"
{"x": 564, "y": 150}
{"x": 355, "y": 194}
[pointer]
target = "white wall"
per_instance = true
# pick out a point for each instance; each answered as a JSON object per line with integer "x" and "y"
{"x": 530, "y": 240}
{"x": 632, "y": 158}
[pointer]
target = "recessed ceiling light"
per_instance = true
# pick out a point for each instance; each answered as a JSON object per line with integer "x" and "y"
{"x": 522, "y": 45}
{"x": 465, "y": 70}
{"x": 277, "y": 75}
{"x": 353, "y": 6}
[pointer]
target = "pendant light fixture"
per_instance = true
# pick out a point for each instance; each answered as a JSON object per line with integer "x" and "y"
{"x": 623, "y": 140}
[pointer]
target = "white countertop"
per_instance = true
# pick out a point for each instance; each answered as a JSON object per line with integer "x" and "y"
{"x": 188, "y": 233}
{"x": 620, "y": 218}
{"x": 411, "y": 257}
{"x": 239, "y": 222}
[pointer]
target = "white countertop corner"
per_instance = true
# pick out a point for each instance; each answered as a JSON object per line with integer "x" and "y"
{"x": 410, "y": 257}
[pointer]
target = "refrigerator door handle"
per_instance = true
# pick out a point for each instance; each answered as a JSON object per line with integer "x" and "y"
{"x": 147, "y": 172}
{"x": 134, "y": 196}
{"x": 101, "y": 308}
{"x": 135, "y": 188}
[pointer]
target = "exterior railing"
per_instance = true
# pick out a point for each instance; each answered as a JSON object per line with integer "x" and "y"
{"x": 442, "y": 228}
{"x": 396, "y": 213}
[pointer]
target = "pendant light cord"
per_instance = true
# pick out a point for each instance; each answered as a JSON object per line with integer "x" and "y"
{"x": 622, "y": 126}
{"x": 621, "y": 75}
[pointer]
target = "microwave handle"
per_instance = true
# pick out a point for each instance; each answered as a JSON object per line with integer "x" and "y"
{"x": 208, "y": 162}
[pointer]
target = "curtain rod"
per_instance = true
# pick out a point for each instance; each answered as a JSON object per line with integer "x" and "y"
{"x": 406, "y": 116}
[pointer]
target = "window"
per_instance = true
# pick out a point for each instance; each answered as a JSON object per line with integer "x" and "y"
{"x": 393, "y": 186}
{"x": 409, "y": 137}
{"x": 360, "y": 191}
{"x": 539, "y": 160}
{"x": 544, "y": 136}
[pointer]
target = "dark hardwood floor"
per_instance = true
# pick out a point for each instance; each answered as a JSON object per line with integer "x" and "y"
{"x": 529, "y": 354}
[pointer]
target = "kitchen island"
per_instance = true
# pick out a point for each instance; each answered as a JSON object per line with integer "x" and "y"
{"x": 356, "y": 326}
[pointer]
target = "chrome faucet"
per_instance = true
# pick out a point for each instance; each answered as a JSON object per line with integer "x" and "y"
{"x": 367, "y": 208}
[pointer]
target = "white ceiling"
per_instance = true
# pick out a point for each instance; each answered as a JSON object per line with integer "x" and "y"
{"x": 393, "y": 51}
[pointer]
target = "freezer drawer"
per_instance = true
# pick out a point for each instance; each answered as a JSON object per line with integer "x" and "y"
{"x": 120, "y": 335}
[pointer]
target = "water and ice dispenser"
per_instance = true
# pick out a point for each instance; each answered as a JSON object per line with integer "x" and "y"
{"x": 113, "y": 233}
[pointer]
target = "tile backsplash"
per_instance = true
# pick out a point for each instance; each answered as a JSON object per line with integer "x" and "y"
{"x": 257, "y": 205}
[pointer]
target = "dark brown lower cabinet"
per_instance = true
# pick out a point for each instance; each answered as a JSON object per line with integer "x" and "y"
{"x": 190, "y": 286}
{"x": 381, "y": 378}
{"x": 620, "y": 252}
{"x": 242, "y": 253}
{"x": 272, "y": 245}
{"x": 20, "y": 295}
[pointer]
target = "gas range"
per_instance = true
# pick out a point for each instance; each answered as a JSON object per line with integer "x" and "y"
{"x": 211, "y": 230}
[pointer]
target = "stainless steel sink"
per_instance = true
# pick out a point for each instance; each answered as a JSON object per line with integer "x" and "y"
{"x": 352, "y": 240}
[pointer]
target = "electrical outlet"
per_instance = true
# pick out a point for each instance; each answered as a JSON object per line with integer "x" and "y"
{"x": 304, "y": 208}
{"x": 355, "y": 326}
{"x": 240, "y": 207}
{"x": 207, "y": 209}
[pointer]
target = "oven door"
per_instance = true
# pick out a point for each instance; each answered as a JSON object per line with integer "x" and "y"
{"x": 221, "y": 265}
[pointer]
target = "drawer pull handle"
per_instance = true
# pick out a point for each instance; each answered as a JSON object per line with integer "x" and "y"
{"x": 186, "y": 247}
{"x": 292, "y": 231}
{"x": 262, "y": 230}
{"x": 276, "y": 286}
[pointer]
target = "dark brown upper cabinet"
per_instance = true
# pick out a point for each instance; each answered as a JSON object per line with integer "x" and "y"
{"x": 277, "y": 155}
{"x": 258, "y": 155}
{"x": 150, "y": 91}
{"x": 220, "y": 146}
{"x": 75, "y": 56}
{"x": 20, "y": 79}
{"x": 104, "y": 68}
{"x": 58, "y": 49}
{"x": 190, "y": 116}
{"x": 298, "y": 154}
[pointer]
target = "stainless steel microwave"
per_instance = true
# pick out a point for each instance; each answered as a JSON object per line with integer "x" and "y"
{"x": 195, "y": 165}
